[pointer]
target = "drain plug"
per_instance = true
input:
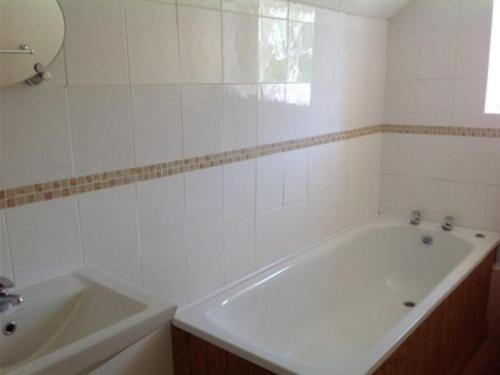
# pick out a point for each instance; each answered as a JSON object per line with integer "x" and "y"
{"x": 410, "y": 304}
{"x": 9, "y": 328}
{"x": 480, "y": 235}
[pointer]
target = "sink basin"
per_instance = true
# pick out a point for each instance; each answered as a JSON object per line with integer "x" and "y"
{"x": 72, "y": 324}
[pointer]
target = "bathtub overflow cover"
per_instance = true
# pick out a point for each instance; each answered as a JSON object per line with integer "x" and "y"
{"x": 9, "y": 328}
{"x": 410, "y": 304}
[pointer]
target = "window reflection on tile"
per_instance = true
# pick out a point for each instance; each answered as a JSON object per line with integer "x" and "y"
{"x": 272, "y": 50}
{"x": 212, "y": 4}
{"x": 273, "y": 8}
{"x": 241, "y": 6}
{"x": 300, "y": 51}
{"x": 302, "y": 12}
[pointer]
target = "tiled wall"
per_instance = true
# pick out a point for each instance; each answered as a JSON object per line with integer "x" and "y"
{"x": 197, "y": 80}
{"x": 436, "y": 75}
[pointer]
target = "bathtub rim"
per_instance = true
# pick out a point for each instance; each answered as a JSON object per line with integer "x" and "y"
{"x": 388, "y": 343}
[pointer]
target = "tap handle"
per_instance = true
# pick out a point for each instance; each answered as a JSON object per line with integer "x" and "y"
{"x": 6, "y": 283}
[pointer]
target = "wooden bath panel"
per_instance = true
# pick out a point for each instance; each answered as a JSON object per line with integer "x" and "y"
{"x": 442, "y": 344}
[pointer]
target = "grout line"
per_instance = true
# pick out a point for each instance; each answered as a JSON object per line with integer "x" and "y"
{"x": 22, "y": 195}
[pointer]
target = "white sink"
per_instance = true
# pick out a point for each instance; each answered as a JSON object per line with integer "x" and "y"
{"x": 72, "y": 324}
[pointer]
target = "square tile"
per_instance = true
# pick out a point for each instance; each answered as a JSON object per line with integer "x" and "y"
{"x": 271, "y": 121}
{"x": 161, "y": 212}
{"x": 430, "y": 197}
{"x": 128, "y": 271}
{"x": 437, "y": 55}
{"x": 95, "y": 43}
{"x": 493, "y": 209}
{"x": 206, "y": 264}
{"x": 153, "y": 50}
{"x": 101, "y": 128}
{"x": 402, "y": 56}
{"x": 157, "y": 121}
{"x": 432, "y": 156}
{"x": 202, "y": 120}
{"x": 239, "y": 190}
{"x": 469, "y": 159}
{"x": 165, "y": 272}
{"x": 319, "y": 216}
{"x": 5, "y": 260}
{"x": 273, "y": 50}
{"x": 239, "y": 248}
{"x": 43, "y": 248}
{"x": 273, "y": 8}
{"x": 269, "y": 243}
{"x": 239, "y": 124}
{"x": 210, "y": 4}
{"x": 200, "y": 45}
{"x": 400, "y": 103}
{"x": 35, "y": 142}
{"x": 270, "y": 181}
{"x": 296, "y": 172}
{"x": 467, "y": 204}
{"x": 469, "y": 97}
{"x": 435, "y": 102}
{"x": 295, "y": 226}
{"x": 301, "y": 43}
{"x": 238, "y": 6}
{"x": 240, "y": 48}
{"x": 109, "y": 226}
{"x": 395, "y": 194}
{"x": 473, "y": 53}
{"x": 397, "y": 152}
{"x": 204, "y": 200}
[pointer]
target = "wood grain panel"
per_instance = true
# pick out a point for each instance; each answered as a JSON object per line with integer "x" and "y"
{"x": 443, "y": 344}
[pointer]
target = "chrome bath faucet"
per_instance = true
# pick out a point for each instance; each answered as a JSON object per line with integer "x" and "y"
{"x": 6, "y": 298}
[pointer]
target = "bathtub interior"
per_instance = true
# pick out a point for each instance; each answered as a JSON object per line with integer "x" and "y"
{"x": 333, "y": 306}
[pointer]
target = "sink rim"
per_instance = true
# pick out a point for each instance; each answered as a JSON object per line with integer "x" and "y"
{"x": 105, "y": 343}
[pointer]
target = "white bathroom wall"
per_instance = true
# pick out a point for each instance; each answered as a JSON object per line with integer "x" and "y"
{"x": 195, "y": 81}
{"x": 437, "y": 64}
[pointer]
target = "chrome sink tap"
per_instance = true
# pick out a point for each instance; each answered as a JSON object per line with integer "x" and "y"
{"x": 6, "y": 298}
{"x": 416, "y": 217}
{"x": 448, "y": 223}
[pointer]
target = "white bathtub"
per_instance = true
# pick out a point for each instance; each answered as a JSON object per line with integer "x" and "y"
{"x": 338, "y": 307}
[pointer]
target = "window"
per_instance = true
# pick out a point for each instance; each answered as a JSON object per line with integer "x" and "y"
{"x": 493, "y": 90}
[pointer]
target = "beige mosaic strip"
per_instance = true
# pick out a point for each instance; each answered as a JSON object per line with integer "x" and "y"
{"x": 23, "y": 195}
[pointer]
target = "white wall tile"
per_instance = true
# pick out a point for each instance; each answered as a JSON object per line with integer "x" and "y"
{"x": 202, "y": 120}
{"x": 157, "y": 124}
{"x": 467, "y": 204}
{"x": 248, "y": 6}
{"x": 45, "y": 240}
{"x": 210, "y": 4}
{"x": 35, "y": 136}
{"x": 430, "y": 197}
{"x": 298, "y": 107}
{"x": 101, "y": 128}
{"x": 468, "y": 103}
{"x": 362, "y": 198}
{"x": 5, "y": 260}
{"x": 319, "y": 216}
{"x": 165, "y": 271}
{"x": 271, "y": 125}
{"x": 239, "y": 123}
{"x": 273, "y": 50}
{"x": 204, "y": 200}
{"x": 432, "y": 156}
{"x": 109, "y": 226}
{"x": 339, "y": 207}
{"x": 493, "y": 209}
{"x": 95, "y": 42}
{"x": 437, "y": 55}
{"x": 206, "y": 263}
{"x": 270, "y": 181}
{"x": 295, "y": 226}
{"x": 408, "y": 19}
{"x": 321, "y": 168}
{"x": 200, "y": 45}
{"x": 269, "y": 237}
{"x": 475, "y": 14}
{"x": 494, "y": 157}
{"x": 57, "y": 69}
{"x": 153, "y": 50}
{"x": 440, "y": 15}
{"x": 240, "y": 47}
{"x": 473, "y": 53}
{"x": 161, "y": 212}
{"x": 273, "y": 8}
{"x": 239, "y": 190}
{"x": 395, "y": 194}
{"x": 239, "y": 248}
{"x": 397, "y": 153}
{"x": 400, "y": 102}
{"x": 129, "y": 271}
{"x": 296, "y": 172}
{"x": 434, "y": 102}
{"x": 402, "y": 56}
{"x": 469, "y": 159}
{"x": 364, "y": 156}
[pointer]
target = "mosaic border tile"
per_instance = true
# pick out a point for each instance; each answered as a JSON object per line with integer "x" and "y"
{"x": 19, "y": 196}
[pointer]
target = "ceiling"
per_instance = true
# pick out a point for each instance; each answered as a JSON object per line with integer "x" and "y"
{"x": 370, "y": 8}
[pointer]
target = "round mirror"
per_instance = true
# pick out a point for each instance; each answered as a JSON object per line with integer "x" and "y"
{"x": 31, "y": 35}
